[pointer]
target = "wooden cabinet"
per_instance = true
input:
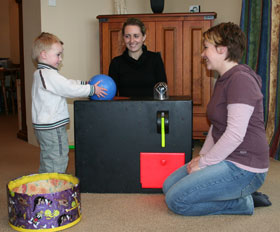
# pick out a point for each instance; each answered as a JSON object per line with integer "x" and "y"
{"x": 178, "y": 37}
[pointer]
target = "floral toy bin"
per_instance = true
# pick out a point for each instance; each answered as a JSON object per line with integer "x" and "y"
{"x": 45, "y": 202}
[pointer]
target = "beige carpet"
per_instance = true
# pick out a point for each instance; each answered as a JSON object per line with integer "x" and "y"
{"x": 129, "y": 212}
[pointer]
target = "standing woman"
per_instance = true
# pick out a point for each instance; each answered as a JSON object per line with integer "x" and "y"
{"x": 233, "y": 162}
{"x": 137, "y": 70}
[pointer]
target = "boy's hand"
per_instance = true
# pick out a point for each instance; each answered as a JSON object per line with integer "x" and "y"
{"x": 99, "y": 91}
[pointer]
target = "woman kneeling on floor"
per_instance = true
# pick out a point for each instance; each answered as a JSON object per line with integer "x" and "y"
{"x": 233, "y": 162}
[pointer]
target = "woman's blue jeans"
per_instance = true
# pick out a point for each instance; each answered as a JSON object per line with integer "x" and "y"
{"x": 222, "y": 188}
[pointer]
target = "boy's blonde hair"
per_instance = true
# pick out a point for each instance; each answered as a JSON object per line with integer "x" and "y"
{"x": 43, "y": 42}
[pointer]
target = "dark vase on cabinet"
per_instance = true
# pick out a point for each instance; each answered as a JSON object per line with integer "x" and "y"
{"x": 157, "y": 6}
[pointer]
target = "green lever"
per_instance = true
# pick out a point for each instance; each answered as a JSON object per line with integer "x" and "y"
{"x": 71, "y": 147}
{"x": 162, "y": 131}
{"x": 162, "y": 125}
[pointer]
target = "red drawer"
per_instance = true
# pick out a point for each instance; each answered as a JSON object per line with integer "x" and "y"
{"x": 156, "y": 167}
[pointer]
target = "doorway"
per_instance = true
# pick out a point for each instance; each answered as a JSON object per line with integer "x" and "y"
{"x": 12, "y": 50}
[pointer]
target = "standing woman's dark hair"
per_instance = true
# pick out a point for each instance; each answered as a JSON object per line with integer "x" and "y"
{"x": 135, "y": 22}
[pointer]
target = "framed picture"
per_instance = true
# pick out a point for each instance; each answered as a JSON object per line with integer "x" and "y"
{"x": 194, "y": 9}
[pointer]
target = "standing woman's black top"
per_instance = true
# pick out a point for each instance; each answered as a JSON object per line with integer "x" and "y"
{"x": 137, "y": 78}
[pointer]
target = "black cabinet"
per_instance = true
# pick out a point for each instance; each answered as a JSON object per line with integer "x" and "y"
{"x": 109, "y": 136}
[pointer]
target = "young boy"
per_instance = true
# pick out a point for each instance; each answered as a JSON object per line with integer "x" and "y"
{"x": 49, "y": 107}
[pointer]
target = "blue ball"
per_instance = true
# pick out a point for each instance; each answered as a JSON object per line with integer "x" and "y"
{"x": 107, "y": 83}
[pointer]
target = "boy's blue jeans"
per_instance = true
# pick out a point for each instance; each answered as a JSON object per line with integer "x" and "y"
{"x": 54, "y": 149}
{"x": 222, "y": 188}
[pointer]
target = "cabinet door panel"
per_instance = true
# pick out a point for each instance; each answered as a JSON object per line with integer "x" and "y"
{"x": 111, "y": 44}
{"x": 169, "y": 44}
{"x": 150, "y": 41}
{"x": 194, "y": 69}
{"x": 195, "y": 72}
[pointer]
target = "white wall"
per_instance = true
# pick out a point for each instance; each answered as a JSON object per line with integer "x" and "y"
{"x": 75, "y": 23}
{"x": 31, "y": 28}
